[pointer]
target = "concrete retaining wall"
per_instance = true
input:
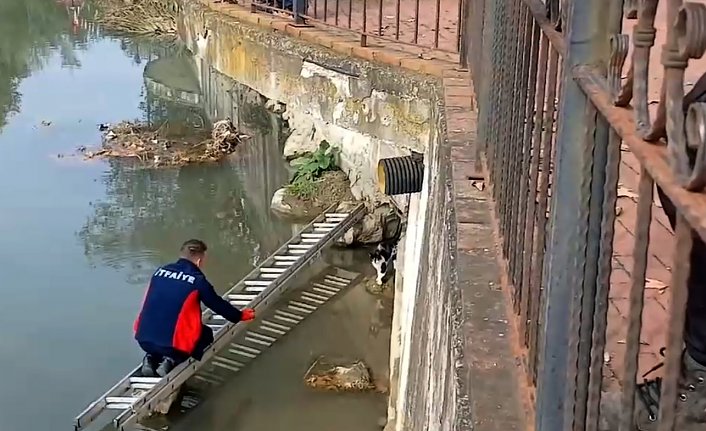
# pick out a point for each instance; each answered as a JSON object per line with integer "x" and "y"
{"x": 372, "y": 111}
{"x": 368, "y": 111}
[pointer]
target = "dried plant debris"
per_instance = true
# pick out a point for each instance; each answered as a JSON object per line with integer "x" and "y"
{"x": 352, "y": 376}
{"x": 163, "y": 147}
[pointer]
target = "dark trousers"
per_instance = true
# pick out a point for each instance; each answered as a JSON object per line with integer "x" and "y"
{"x": 695, "y": 327}
{"x": 160, "y": 352}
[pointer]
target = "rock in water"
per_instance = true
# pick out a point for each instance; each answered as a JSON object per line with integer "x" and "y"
{"x": 344, "y": 376}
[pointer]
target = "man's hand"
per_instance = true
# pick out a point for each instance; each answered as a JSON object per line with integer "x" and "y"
{"x": 248, "y": 314}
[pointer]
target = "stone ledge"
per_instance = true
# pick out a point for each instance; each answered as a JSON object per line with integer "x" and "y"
{"x": 491, "y": 370}
{"x": 343, "y": 41}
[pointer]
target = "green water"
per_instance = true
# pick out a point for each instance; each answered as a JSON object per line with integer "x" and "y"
{"x": 79, "y": 240}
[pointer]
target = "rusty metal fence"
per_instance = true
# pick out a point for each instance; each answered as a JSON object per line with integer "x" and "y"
{"x": 431, "y": 24}
{"x": 557, "y": 97}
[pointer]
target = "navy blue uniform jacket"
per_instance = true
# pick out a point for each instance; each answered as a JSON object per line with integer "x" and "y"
{"x": 171, "y": 310}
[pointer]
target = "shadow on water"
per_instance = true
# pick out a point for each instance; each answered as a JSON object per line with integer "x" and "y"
{"x": 83, "y": 238}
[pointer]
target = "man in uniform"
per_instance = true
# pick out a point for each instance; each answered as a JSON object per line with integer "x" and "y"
{"x": 169, "y": 327}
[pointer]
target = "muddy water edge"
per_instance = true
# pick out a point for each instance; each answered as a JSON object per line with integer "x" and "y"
{"x": 80, "y": 239}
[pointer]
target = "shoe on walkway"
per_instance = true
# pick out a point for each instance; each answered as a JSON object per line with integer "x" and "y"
{"x": 147, "y": 369}
{"x": 691, "y": 401}
{"x": 165, "y": 367}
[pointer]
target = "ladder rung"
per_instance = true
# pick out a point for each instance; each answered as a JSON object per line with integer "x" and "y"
{"x": 299, "y": 246}
{"x": 268, "y": 276}
{"x": 317, "y": 299}
{"x": 257, "y": 283}
{"x": 273, "y": 270}
{"x": 116, "y": 406}
{"x": 226, "y": 366}
{"x": 229, "y": 361}
{"x": 262, "y": 337}
{"x": 284, "y": 263}
{"x": 121, "y": 400}
{"x": 207, "y": 379}
{"x": 276, "y": 325}
{"x": 340, "y": 279}
{"x": 325, "y": 231}
{"x": 248, "y": 349}
{"x": 257, "y": 289}
{"x": 309, "y": 240}
{"x": 325, "y": 225}
{"x": 337, "y": 215}
{"x": 298, "y": 251}
{"x": 273, "y": 330}
{"x": 257, "y": 341}
{"x": 303, "y": 305}
{"x": 153, "y": 380}
{"x": 313, "y": 235}
{"x": 142, "y": 385}
{"x": 247, "y": 296}
{"x": 290, "y": 315}
{"x": 322, "y": 288}
{"x": 242, "y": 353}
{"x": 334, "y": 282}
{"x": 217, "y": 317}
{"x": 286, "y": 319}
{"x": 241, "y": 303}
{"x": 280, "y": 257}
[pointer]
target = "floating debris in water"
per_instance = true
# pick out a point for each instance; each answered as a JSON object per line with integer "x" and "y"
{"x": 161, "y": 146}
{"x": 347, "y": 376}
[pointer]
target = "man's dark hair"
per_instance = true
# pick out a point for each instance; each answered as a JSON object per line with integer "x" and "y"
{"x": 193, "y": 248}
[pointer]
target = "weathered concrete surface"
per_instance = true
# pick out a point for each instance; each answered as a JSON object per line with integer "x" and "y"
{"x": 368, "y": 111}
{"x": 451, "y": 364}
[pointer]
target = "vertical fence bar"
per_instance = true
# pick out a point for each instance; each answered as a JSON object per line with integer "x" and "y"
{"x": 437, "y": 20}
{"x": 532, "y": 195}
{"x": 496, "y": 67}
{"x": 338, "y": 8}
{"x": 528, "y": 186}
{"x": 397, "y": 20}
{"x": 316, "y": 9}
{"x": 619, "y": 51}
{"x": 416, "y": 22}
{"x": 545, "y": 156}
{"x": 506, "y": 101}
{"x": 364, "y": 37}
{"x": 570, "y": 222}
{"x": 521, "y": 119}
{"x": 675, "y": 330}
{"x": 350, "y": 13}
{"x": 637, "y": 298}
{"x": 325, "y": 10}
{"x": 380, "y": 17}
{"x": 463, "y": 22}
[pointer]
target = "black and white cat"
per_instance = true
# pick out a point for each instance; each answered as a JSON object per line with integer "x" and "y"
{"x": 383, "y": 260}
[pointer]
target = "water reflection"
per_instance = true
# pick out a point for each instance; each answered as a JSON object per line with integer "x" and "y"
{"x": 30, "y": 30}
{"x": 225, "y": 204}
{"x": 82, "y": 237}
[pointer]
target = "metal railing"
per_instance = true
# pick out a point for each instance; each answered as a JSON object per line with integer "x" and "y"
{"x": 432, "y": 24}
{"x": 554, "y": 111}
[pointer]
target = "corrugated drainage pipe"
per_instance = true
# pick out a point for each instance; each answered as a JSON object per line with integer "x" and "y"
{"x": 401, "y": 175}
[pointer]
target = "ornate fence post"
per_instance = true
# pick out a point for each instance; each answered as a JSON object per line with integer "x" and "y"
{"x": 574, "y": 232}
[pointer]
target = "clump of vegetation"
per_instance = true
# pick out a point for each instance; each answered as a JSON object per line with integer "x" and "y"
{"x": 144, "y": 17}
{"x": 309, "y": 170}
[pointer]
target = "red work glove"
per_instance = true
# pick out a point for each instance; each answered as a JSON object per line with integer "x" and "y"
{"x": 247, "y": 315}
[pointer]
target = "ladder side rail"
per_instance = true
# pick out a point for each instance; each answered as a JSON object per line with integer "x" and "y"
{"x": 184, "y": 371}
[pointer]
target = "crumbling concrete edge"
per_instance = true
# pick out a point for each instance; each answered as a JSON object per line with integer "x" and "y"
{"x": 488, "y": 370}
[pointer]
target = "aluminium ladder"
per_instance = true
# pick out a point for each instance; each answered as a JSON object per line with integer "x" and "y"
{"x": 135, "y": 396}
{"x": 267, "y": 330}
